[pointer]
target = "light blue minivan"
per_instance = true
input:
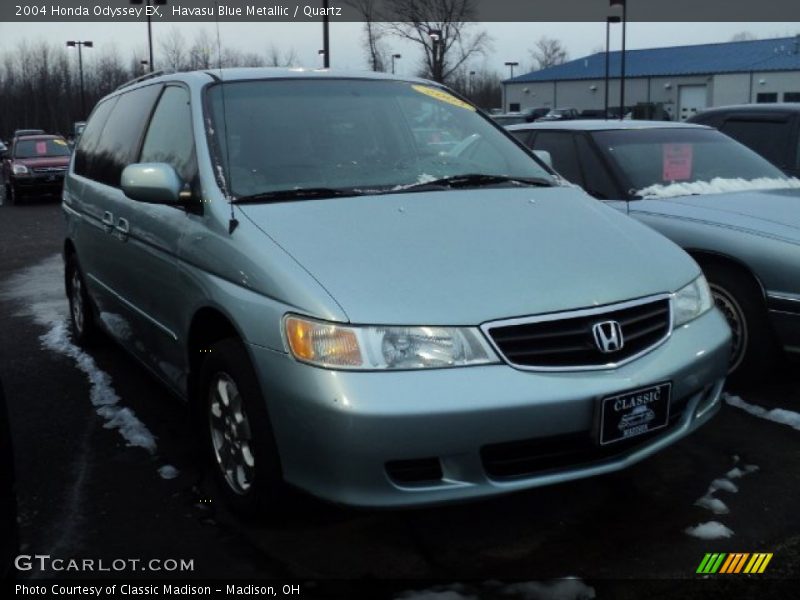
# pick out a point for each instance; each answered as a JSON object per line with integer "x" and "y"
{"x": 368, "y": 290}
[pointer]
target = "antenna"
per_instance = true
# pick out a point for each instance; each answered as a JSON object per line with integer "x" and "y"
{"x": 232, "y": 223}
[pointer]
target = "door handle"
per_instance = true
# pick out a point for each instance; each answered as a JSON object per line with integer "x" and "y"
{"x": 123, "y": 229}
{"x": 108, "y": 221}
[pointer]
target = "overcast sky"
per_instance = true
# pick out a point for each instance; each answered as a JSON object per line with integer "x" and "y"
{"x": 510, "y": 41}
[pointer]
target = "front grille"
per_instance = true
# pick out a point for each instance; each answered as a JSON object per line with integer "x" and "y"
{"x": 567, "y": 341}
{"x": 524, "y": 458}
{"x": 45, "y": 170}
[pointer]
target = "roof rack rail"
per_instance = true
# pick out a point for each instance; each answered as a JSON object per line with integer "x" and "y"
{"x": 144, "y": 77}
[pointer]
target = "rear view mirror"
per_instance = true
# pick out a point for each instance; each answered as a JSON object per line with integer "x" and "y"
{"x": 544, "y": 156}
{"x": 154, "y": 183}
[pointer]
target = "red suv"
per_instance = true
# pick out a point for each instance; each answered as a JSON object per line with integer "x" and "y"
{"x": 35, "y": 164}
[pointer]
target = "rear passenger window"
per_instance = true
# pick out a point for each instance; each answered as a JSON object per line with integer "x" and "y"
{"x": 170, "y": 139}
{"x": 562, "y": 151}
{"x": 769, "y": 138}
{"x": 91, "y": 136}
{"x": 119, "y": 144}
{"x": 523, "y": 136}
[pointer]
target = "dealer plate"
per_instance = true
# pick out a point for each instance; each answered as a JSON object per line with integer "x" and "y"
{"x": 634, "y": 413}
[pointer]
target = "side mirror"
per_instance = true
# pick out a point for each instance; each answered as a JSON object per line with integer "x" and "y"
{"x": 544, "y": 156}
{"x": 154, "y": 183}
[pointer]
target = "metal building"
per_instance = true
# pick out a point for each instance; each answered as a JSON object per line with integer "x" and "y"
{"x": 681, "y": 80}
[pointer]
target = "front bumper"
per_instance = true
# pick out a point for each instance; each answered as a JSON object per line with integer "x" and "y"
{"x": 337, "y": 431}
{"x": 39, "y": 184}
{"x": 784, "y": 313}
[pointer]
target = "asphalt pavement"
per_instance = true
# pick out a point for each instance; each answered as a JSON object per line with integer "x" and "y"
{"x": 84, "y": 493}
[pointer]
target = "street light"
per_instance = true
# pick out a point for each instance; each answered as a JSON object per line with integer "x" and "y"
{"x": 436, "y": 37}
{"x": 623, "y": 4}
{"x": 150, "y": 26}
{"x": 609, "y": 20}
{"x": 326, "y": 45}
{"x": 511, "y": 66}
{"x": 394, "y": 56}
{"x": 322, "y": 56}
{"x": 80, "y": 45}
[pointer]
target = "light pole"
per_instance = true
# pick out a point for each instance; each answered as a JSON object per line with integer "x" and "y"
{"x": 80, "y": 45}
{"x": 609, "y": 20}
{"x": 394, "y": 56}
{"x": 471, "y": 83}
{"x": 511, "y": 66}
{"x": 623, "y": 4}
{"x": 436, "y": 37}
{"x": 322, "y": 56}
{"x": 150, "y": 3}
{"x": 326, "y": 58}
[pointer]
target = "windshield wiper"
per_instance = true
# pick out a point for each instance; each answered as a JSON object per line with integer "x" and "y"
{"x": 475, "y": 180}
{"x": 296, "y": 194}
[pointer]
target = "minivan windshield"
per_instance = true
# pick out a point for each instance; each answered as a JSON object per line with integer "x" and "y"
{"x": 356, "y": 136}
{"x": 675, "y": 161}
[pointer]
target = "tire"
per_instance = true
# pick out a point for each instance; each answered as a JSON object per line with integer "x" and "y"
{"x": 81, "y": 314}
{"x": 754, "y": 349}
{"x": 11, "y": 194}
{"x": 240, "y": 446}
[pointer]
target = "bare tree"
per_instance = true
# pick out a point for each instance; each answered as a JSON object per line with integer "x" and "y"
{"x": 374, "y": 33}
{"x": 548, "y": 52}
{"x": 276, "y": 58}
{"x": 201, "y": 52}
{"x": 743, "y": 36}
{"x": 442, "y": 28}
{"x": 173, "y": 49}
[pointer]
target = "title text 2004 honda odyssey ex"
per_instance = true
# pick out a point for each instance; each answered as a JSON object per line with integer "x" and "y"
{"x": 370, "y": 291}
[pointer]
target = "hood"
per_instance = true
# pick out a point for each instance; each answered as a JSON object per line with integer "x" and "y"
{"x": 463, "y": 257}
{"x": 44, "y": 161}
{"x": 772, "y": 213}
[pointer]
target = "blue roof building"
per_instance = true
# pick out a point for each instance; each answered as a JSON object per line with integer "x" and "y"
{"x": 683, "y": 79}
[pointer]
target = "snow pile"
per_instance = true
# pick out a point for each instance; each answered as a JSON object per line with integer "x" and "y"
{"x": 718, "y": 185}
{"x": 168, "y": 472}
{"x": 713, "y": 530}
{"x": 570, "y": 588}
{"x": 715, "y": 505}
{"x": 40, "y": 289}
{"x": 776, "y": 415}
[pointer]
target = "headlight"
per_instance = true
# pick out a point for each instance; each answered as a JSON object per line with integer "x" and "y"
{"x": 19, "y": 169}
{"x": 691, "y": 301}
{"x": 380, "y": 348}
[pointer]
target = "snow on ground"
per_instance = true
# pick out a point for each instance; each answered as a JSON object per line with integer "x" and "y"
{"x": 40, "y": 291}
{"x": 715, "y": 505}
{"x": 718, "y": 185}
{"x": 569, "y": 588}
{"x": 713, "y": 530}
{"x": 776, "y": 415}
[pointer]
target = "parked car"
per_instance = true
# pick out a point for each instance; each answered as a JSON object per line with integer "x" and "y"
{"x": 23, "y": 132}
{"x": 561, "y": 114}
{"x": 372, "y": 320}
{"x": 772, "y": 130}
{"x": 35, "y": 165}
{"x": 734, "y": 212}
{"x": 9, "y": 535}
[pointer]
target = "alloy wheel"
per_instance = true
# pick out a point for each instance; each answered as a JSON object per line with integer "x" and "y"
{"x": 231, "y": 436}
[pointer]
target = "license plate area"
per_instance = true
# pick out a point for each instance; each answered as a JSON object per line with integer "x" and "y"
{"x": 633, "y": 413}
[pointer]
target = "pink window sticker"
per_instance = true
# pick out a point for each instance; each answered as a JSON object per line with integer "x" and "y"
{"x": 41, "y": 147}
{"x": 677, "y": 162}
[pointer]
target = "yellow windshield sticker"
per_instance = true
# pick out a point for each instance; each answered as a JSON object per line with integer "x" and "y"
{"x": 60, "y": 142}
{"x": 442, "y": 96}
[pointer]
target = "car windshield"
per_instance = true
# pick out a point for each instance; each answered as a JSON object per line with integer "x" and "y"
{"x": 678, "y": 162}
{"x": 41, "y": 148}
{"x": 369, "y": 136}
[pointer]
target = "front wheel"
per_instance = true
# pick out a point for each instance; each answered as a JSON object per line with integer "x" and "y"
{"x": 753, "y": 347}
{"x": 84, "y": 328}
{"x": 240, "y": 444}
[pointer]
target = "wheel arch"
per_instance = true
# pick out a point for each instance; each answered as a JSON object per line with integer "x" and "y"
{"x": 704, "y": 257}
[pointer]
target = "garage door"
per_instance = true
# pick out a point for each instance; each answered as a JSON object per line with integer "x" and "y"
{"x": 691, "y": 100}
